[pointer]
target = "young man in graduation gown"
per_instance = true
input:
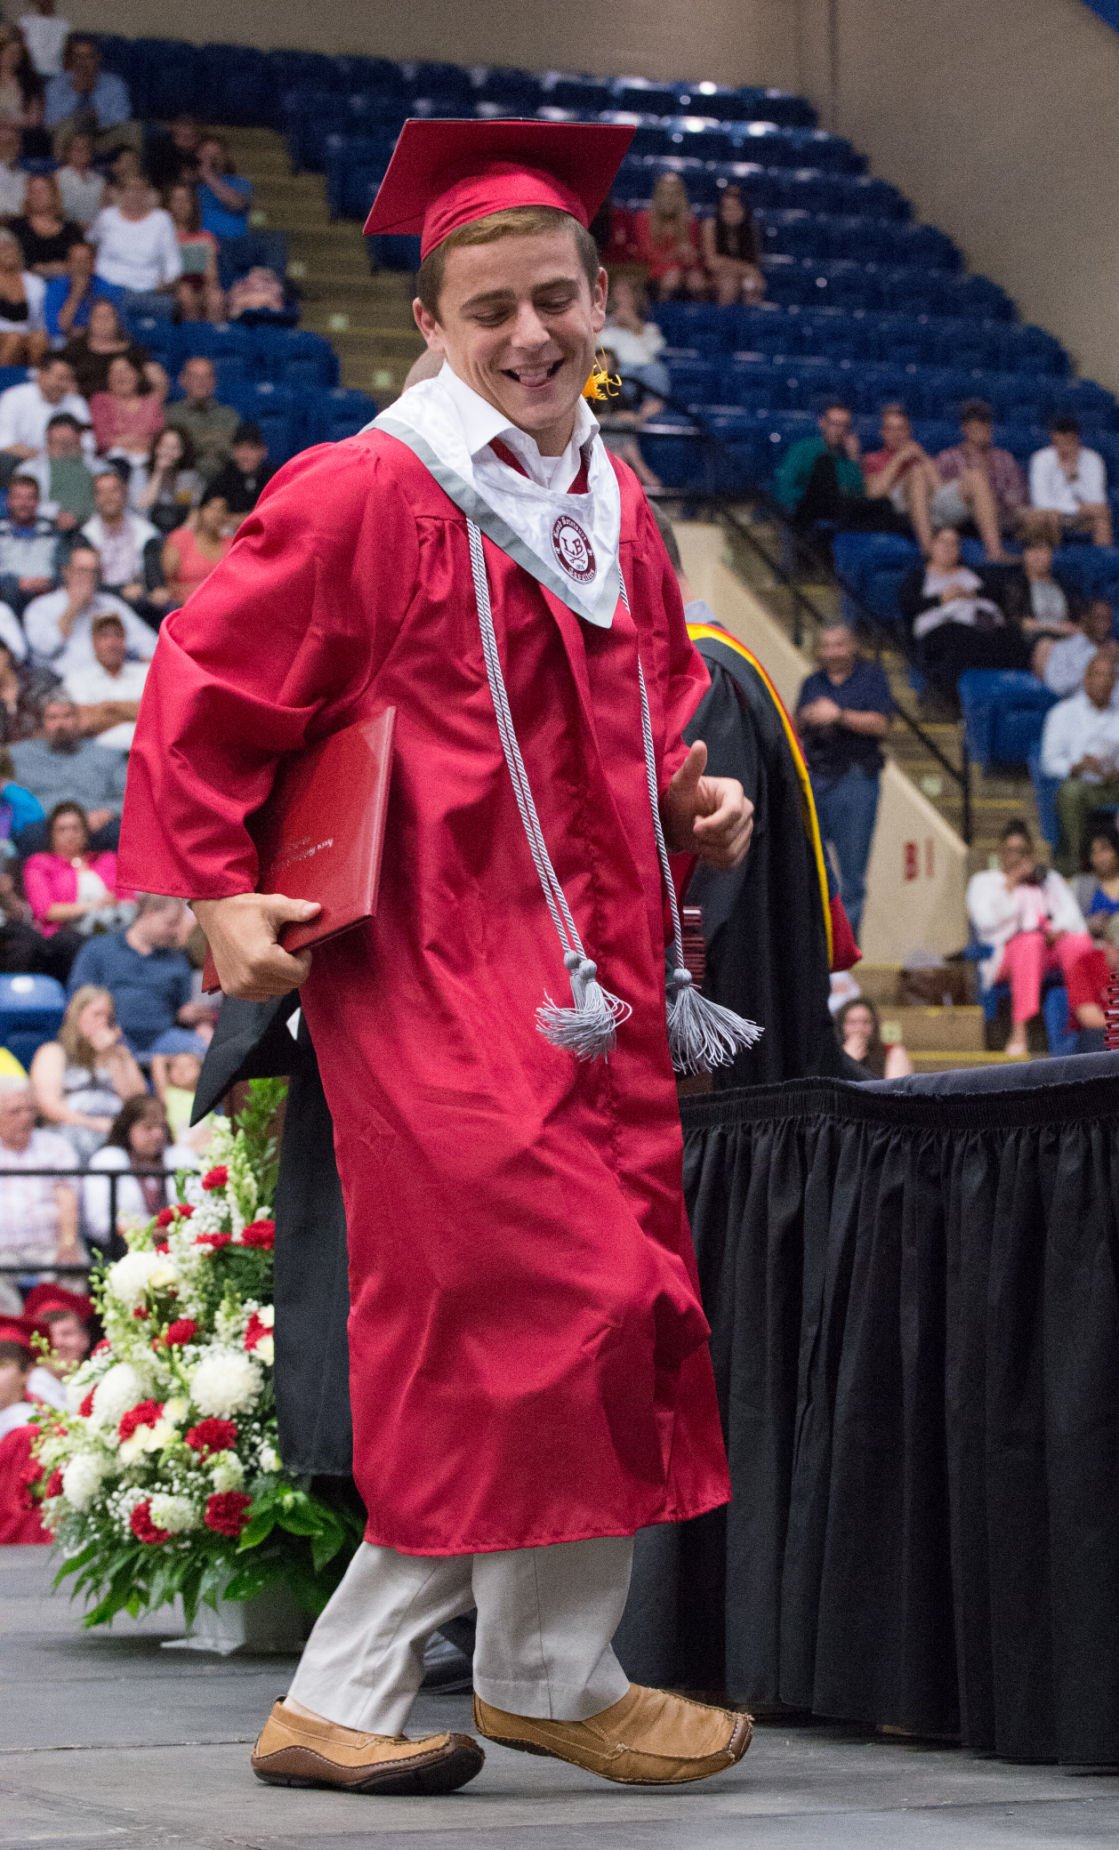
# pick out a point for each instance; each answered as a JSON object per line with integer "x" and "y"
{"x": 530, "y": 1377}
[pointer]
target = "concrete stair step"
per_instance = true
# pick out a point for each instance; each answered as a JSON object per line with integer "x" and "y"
{"x": 934, "y": 1030}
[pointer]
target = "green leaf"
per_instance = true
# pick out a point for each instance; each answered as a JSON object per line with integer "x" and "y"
{"x": 256, "y": 1530}
{"x": 252, "y": 1579}
{"x": 300, "y": 1521}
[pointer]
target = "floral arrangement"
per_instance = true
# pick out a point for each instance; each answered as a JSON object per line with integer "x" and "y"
{"x": 162, "y": 1476}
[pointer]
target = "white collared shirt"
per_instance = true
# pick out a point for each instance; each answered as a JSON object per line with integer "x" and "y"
{"x": 1077, "y": 728}
{"x": 1051, "y": 485}
{"x": 482, "y": 422}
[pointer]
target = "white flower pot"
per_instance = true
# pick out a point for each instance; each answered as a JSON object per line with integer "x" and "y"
{"x": 271, "y": 1622}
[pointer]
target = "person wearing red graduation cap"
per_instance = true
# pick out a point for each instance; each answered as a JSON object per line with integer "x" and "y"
{"x": 530, "y": 1376}
{"x": 19, "y": 1520}
{"x": 67, "y": 1316}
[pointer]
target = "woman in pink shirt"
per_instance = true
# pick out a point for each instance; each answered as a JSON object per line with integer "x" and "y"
{"x": 191, "y": 552}
{"x": 68, "y": 886}
{"x": 128, "y": 416}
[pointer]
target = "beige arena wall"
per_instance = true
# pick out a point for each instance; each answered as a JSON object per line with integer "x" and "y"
{"x": 727, "y": 41}
{"x": 918, "y": 863}
{"x": 999, "y": 119}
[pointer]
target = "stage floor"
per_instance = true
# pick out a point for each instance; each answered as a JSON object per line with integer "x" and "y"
{"x": 109, "y": 1743}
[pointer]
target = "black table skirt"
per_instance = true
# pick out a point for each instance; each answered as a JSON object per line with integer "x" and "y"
{"x": 915, "y": 1310}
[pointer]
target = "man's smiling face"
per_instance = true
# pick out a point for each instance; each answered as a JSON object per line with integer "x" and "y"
{"x": 518, "y": 320}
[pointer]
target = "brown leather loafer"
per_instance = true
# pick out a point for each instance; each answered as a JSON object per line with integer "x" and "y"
{"x": 296, "y": 1750}
{"x": 649, "y": 1738}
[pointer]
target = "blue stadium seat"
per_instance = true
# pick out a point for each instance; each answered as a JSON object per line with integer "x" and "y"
{"x": 1003, "y": 713}
{"x": 238, "y": 255}
{"x": 292, "y": 356}
{"x": 31, "y": 1011}
{"x": 341, "y": 413}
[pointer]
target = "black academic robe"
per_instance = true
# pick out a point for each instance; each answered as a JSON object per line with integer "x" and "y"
{"x": 765, "y": 923}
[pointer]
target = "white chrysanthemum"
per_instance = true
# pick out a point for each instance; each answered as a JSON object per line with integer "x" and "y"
{"x": 164, "y": 1273}
{"x": 82, "y": 1478}
{"x": 121, "y": 1388}
{"x": 175, "y": 1514}
{"x": 225, "y": 1382}
{"x": 269, "y": 1457}
{"x": 128, "y": 1280}
{"x": 146, "y": 1439}
{"x": 227, "y": 1471}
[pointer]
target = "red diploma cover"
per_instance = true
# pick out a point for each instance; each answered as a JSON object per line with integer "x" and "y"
{"x": 320, "y": 834}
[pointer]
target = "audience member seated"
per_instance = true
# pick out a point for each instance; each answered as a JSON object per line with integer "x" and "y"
{"x": 25, "y": 687}
{"x": 30, "y": 546}
{"x": 21, "y": 1524}
{"x": 172, "y": 156}
{"x": 19, "y": 810}
{"x": 66, "y": 1316}
{"x": 175, "y": 1078}
{"x": 140, "y": 1153}
{"x": 13, "y": 177}
{"x": 731, "y": 252}
{"x": 27, "y": 409}
{"x": 125, "y": 165}
{"x": 198, "y": 292}
{"x": 634, "y": 341}
{"x": 1031, "y": 927}
{"x": 38, "y": 1213}
{"x": 86, "y": 100}
{"x": 45, "y": 234}
{"x": 108, "y": 691}
{"x": 1037, "y": 602}
{"x": 952, "y": 625}
{"x": 105, "y": 338}
{"x": 983, "y": 487}
{"x": 209, "y": 425}
{"x": 844, "y": 711}
{"x": 21, "y": 94}
{"x": 59, "y": 626}
{"x": 258, "y": 296}
{"x": 65, "y": 480}
{"x": 64, "y": 768}
{"x": 1067, "y": 660}
{"x": 81, "y": 1080}
{"x": 191, "y": 553}
{"x": 23, "y": 950}
{"x": 903, "y": 474}
{"x": 171, "y": 484}
{"x": 137, "y": 250}
{"x": 1080, "y": 746}
{"x": 860, "y": 1036}
{"x": 23, "y": 328}
{"x": 45, "y": 36}
{"x": 242, "y": 480}
{"x": 69, "y": 298}
{"x": 1097, "y": 891}
{"x": 128, "y": 416}
{"x": 71, "y": 889}
{"x": 820, "y": 479}
{"x": 80, "y": 187}
{"x": 129, "y": 549}
{"x": 668, "y": 242}
{"x": 1069, "y": 484}
{"x": 223, "y": 196}
{"x": 146, "y": 972}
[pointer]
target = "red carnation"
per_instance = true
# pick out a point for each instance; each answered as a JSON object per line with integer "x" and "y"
{"x": 146, "y": 1414}
{"x": 54, "y": 1485}
{"x": 143, "y": 1528}
{"x": 141, "y": 1312}
{"x": 212, "y": 1436}
{"x": 86, "y": 1408}
{"x": 165, "y": 1217}
{"x": 183, "y": 1330}
{"x": 212, "y": 1239}
{"x": 227, "y": 1512}
{"x": 216, "y": 1178}
{"x": 161, "y": 1246}
{"x": 260, "y": 1233}
{"x": 183, "y": 1211}
{"x": 255, "y": 1331}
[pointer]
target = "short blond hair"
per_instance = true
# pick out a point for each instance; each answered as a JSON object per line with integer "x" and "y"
{"x": 79, "y": 1051}
{"x": 514, "y": 222}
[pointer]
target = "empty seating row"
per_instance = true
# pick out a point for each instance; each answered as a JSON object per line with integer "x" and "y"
{"x": 242, "y": 84}
{"x": 288, "y": 356}
{"x": 705, "y": 330}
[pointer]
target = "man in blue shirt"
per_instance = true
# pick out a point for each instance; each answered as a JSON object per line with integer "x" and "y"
{"x": 145, "y": 972}
{"x": 84, "y": 99}
{"x": 844, "y": 711}
{"x": 223, "y": 197}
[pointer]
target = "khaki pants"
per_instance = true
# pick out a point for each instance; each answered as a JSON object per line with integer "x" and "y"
{"x": 1076, "y": 800}
{"x": 546, "y": 1617}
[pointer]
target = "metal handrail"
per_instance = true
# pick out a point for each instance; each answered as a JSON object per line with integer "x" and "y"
{"x": 721, "y": 505}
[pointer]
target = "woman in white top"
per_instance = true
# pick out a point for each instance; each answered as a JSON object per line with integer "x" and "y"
{"x": 81, "y": 1080}
{"x": 1032, "y": 927}
{"x": 635, "y": 342}
{"x": 136, "y": 244}
{"x": 140, "y": 1153}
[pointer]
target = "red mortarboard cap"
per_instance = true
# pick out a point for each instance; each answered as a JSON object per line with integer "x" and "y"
{"x": 42, "y": 1300}
{"x": 21, "y": 1330}
{"x": 443, "y": 175}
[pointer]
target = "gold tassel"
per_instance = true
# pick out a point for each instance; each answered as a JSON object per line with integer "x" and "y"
{"x": 602, "y": 384}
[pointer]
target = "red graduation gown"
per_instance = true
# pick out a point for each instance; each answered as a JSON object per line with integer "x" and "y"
{"x": 529, "y": 1358}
